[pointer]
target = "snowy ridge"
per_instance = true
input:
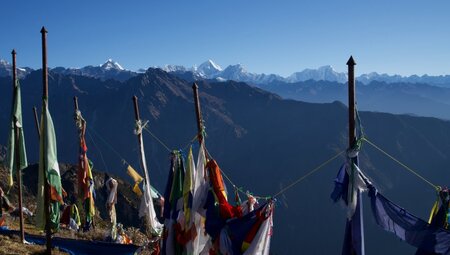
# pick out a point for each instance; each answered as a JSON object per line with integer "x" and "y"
{"x": 111, "y": 64}
{"x": 6, "y": 69}
{"x": 209, "y": 69}
{"x": 325, "y": 73}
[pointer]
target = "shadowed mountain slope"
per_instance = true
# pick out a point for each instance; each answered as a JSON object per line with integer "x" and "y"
{"x": 260, "y": 140}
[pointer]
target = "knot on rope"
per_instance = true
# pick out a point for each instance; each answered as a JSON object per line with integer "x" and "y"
{"x": 356, "y": 148}
{"x": 438, "y": 189}
{"x": 79, "y": 120}
{"x": 140, "y": 126}
{"x": 352, "y": 153}
{"x": 203, "y": 131}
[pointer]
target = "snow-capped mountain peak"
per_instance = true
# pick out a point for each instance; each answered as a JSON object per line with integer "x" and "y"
{"x": 234, "y": 71}
{"x": 325, "y": 73}
{"x": 111, "y": 64}
{"x": 6, "y": 69}
{"x": 4, "y": 63}
{"x": 208, "y": 68}
{"x": 326, "y": 68}
{"x": 214, "y": 65}
{"x": 174, "y": 68}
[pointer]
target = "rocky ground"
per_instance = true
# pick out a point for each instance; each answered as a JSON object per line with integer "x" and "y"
{"x": 127, "y": 211}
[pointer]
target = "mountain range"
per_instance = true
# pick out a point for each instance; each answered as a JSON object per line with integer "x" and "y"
{"x": 322, "y": 85}
{"x": 108, "y": 70}
{"x": 261, "y": 141}
{"x": 401, "y": 98}
{"x": 210, "y": 70}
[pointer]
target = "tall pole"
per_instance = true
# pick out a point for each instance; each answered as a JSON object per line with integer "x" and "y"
{"x": 48, "y": 233}
{"x": 75, "y": 103}
{"x": 36, "y": 121}
{"x": 16, "y": 148}
{"x": 142, "y": 154}
{"x": 198, "y": 113}
{"x": 140, "y": 139}
{"x": 351, "y": 102}
{"x": 136, "y": 109}
{"x": 357, "y": 222}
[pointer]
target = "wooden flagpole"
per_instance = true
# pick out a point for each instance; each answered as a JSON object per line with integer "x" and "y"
{"x": 48, "y": 233}
{"x": 352, "y": 138}
{"x": 17, "y": 149}
{"x": 351, "y": 102}
{"x": 141, "y": 152}
{"x": 198, "y": 113}
{"x": 138, "y": 118}
{"x": 75, "y": 103}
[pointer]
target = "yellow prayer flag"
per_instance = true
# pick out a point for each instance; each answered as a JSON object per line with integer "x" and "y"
{"x": 134, "y": 175}
{"x": 137, "y": 179}
{"x": 137, "y": 190}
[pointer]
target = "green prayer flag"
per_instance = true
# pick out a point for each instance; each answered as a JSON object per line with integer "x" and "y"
{"x": 16, "y": 117}
{"x": 49, "y": 168}
{"x": 188, "y": 188}
{"x": 178, "y": 181}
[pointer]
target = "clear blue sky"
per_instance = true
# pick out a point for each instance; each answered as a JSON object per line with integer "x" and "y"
{"x": 404, "y": 37}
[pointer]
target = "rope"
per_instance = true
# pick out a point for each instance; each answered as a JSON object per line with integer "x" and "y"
{"x": 360, "y": 127}
{"x": 99, "y": 151}
{"x": 240, "y": 189}
{"x": 401, "y": 164}
{"x": 223, "y": 173}
{"x": 287, "y": 187}
{"x": 109, "y": 146}
{"x": 157, "y": 139}
{"x": 309, "y": 173}
{"x": 190, "y": 143}
{"x": 164, "y": 145}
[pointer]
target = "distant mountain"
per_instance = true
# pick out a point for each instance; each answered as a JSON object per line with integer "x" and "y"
{"x": 6, "y": 69}
{"x": 324, "y": 73}
{"x": 212, "y": 71}
{"x": 262, "y": 142}
{"x": 322, "y": 85}
{"x": 209, "y": 69}
{"x": 108, "y": 70}
{"x": 239, "y": 73}
{"x": 400, "y": 98}
{"x": 441, "y": 80}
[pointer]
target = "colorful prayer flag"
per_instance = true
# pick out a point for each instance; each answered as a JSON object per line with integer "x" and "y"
{"x": 349, "y": 183}
{"x": 147, "y": 209}
{"x": 16, "y": 117}
{"x": 85, "y": 178}
{"x": 49, "y": 171}
{"x": 137, "y": 180}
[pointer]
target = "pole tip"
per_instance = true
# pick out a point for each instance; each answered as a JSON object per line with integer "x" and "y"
{"x": 351, "y": 61}
{"x": 43, "y": 30}
{"x": 134, "y": 98}
{"x": 194, "y": 86}
{"x": 13, "y": 52}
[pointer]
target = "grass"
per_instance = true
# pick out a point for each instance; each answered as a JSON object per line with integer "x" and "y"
{"x": 12, "y": 245}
